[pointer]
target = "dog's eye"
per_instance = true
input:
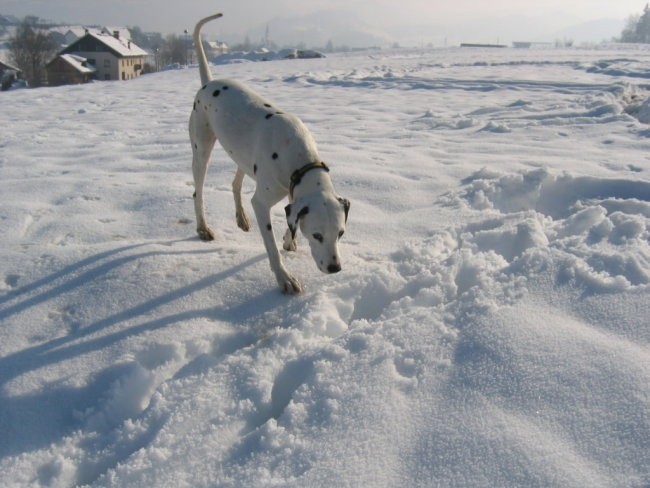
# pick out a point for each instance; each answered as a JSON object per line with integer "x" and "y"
{"x": 318, "y": 237}
{"x": 341, "y": 234}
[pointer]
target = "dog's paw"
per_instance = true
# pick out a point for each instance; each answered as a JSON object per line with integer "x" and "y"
{"x": 242, "y": 222}
{"x": 289, "y": 243}
{"x": 205, "y": 233}
{"x": 290, "y": 285}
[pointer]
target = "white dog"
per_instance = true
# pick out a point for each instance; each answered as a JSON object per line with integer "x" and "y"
{"x": 277, "y": 151}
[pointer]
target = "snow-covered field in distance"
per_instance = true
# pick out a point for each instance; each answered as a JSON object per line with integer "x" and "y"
{"x": 489, "y": 328}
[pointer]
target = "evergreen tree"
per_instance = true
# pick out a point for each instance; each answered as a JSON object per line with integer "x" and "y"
{"x": 643, "y": 26}
{"x": 637, "y": 27}
{"x": 629, "y": 31}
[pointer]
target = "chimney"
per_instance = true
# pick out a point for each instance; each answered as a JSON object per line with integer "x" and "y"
{"x": 116, "y": 34}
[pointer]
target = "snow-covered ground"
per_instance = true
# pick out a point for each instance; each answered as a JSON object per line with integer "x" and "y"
{"x": 490, "y": 326}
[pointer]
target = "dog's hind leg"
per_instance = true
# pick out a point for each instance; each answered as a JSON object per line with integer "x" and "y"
{"x": 242, "y": 219}
{"x": 203, "y": 140}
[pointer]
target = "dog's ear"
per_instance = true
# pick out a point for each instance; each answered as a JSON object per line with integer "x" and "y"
{"x": 293, "y": 217}
{"x": 346, "y": 206}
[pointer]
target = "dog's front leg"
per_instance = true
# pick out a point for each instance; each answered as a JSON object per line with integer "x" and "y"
{"x": 262, "y": 206}
{"x": 289, "y": 241}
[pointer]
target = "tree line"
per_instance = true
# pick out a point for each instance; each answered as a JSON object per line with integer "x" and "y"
{"x": 637, "y": 27}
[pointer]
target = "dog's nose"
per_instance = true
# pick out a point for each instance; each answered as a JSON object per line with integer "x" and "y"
{"x": 334, "y": 268}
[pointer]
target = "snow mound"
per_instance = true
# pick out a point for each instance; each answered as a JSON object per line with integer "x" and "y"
{"x": 601, "y": 226}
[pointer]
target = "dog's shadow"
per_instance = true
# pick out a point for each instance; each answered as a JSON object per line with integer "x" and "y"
{"x": 87, "y": 338}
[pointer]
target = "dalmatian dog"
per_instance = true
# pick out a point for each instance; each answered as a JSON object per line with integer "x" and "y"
{"x": 276, "y": 150}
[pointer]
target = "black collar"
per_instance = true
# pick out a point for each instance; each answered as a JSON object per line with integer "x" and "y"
{"x": 296, "y": 176}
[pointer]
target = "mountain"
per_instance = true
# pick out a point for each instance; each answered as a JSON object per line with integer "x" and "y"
{"x": 315, "y": 30}
{"x": 593, "y": 31}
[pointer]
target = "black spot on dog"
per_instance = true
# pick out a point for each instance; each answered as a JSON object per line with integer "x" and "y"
{"x": 268, "y": 227}
{"x": 204, "y": 87}
{"x": 267, "y": 105}
{"x": 225, "y": 87}
{"x": 194, "y": 107}
{"x": 254, "y": 169}
{"x": 196, "y": 146}
{"x": 268, "y": 116}
{"x": 194, "y": 195}
{"x": 279, "y": 113}
{"x": 274, "y": 155}
{"x": 216, "y": 93}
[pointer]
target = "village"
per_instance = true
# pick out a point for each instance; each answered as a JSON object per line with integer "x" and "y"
{"x": 82, "y": 54}
{"x": 101, "y": 53}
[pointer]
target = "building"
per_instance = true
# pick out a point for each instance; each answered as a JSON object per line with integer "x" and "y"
{"x": 68, "y": 69}
{"x": 215, "y": 48}
{"x": 8, "y": 75}
{"x": 112, "y": 56}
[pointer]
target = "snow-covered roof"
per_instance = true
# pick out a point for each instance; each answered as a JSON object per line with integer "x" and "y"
{"x": 217, "y": 44}
{"x": 79, "y": 63}
{"x": 123, "y": 32}
{"x": 78, "y": 30}
{"x": 123, "y": 47}
{"x": 6, "y": 65}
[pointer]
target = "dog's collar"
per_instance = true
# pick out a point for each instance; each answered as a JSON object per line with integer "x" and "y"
{"x": 296, "y": 176}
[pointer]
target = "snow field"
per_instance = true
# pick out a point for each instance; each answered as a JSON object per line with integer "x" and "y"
{"x": 489, "y": 327}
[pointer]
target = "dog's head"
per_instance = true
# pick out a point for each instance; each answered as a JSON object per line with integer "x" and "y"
{"x": 321, "y": 220}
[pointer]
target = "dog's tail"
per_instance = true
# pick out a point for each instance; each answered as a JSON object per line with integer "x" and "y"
{"x": 200, "y": 52}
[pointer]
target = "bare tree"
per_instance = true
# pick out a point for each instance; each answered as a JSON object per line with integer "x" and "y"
{"x": 174, "y": 50}
{"x": 30, "y": 49}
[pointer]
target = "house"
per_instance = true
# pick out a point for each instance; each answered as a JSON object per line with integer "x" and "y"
{"x": 4, "y": 66}
{"x": 8, "y": 75}
{"x": 112, "y": 56}
{"x": 68, "y": 69}
{"x": 215, "y": 48}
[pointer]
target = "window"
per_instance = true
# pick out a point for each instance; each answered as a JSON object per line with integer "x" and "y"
{"x": 107, "y": 63}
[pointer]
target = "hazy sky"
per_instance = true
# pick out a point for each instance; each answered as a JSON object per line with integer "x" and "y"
{"x": 241, "y": 16}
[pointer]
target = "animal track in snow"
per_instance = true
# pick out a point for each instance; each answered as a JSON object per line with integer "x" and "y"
{"x": 11, "y": 281}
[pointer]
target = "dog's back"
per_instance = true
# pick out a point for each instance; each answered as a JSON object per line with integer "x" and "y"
{"x": 246, "y": 124}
